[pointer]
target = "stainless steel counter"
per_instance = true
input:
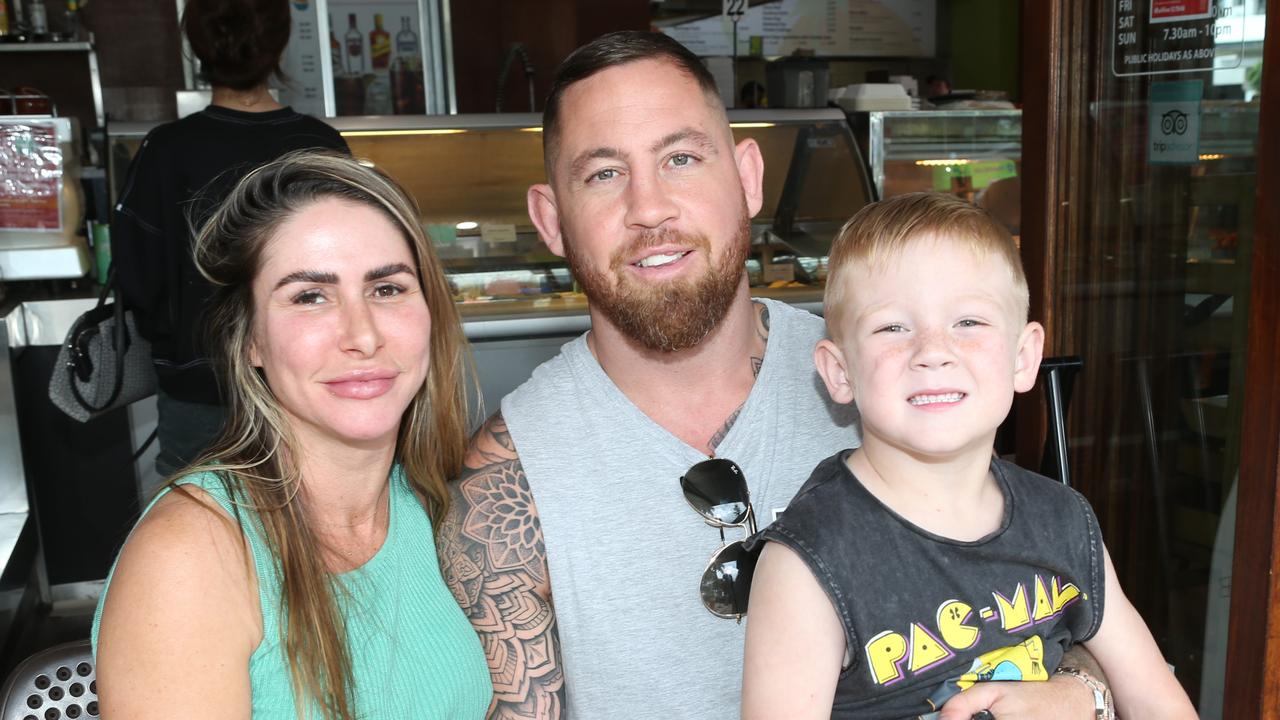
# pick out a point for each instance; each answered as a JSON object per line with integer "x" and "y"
{"x": 45, "y": 322}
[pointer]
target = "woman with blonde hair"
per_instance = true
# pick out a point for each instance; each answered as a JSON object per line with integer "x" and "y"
{"x": 291, "y": 572}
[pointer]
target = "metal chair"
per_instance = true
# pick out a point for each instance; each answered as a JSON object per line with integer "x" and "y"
{"x": 53, "y": 684}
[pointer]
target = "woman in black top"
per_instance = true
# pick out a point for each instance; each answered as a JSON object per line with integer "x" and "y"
{"x": 181, "y": 173}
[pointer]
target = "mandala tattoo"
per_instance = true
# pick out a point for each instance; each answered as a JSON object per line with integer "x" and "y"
{"x": 493, "y": 559}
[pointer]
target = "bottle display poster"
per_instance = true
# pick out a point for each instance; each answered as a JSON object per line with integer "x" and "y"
{"x": 376, "y": 54}
{"x": 834, "y": 28}
{"x": 1155, "y": 37}
{"x": 304, "y": 90}
{"x": 30, "y": 177}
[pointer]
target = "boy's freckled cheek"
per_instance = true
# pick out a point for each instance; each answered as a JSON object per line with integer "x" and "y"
{"x": 890, "y": 356}
{"x": 972, "y": 344}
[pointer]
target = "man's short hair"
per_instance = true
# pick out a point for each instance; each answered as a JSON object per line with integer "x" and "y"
{"x": 881, "y": 231}
{"x": 611, "y": 50}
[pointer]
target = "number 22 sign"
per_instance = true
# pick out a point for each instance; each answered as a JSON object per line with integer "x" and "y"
{"x": 735, "y": 9}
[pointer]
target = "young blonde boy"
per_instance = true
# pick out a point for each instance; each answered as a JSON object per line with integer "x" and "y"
{"x": 919, "y": 565}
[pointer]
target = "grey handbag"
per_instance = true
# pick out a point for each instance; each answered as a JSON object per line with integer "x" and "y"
{"x": 104, "y": 363}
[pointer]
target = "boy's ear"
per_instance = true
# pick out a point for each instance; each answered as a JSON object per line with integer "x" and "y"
{"x": 541, "y": 200}
{"x": 830, "y": 362}
{"x": 1026, "y": 365}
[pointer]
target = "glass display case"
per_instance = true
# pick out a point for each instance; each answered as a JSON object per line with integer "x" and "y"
{"x": 975, "y": 154}
{"x": 519, "y": 302}
{"x": 469, "y": 174}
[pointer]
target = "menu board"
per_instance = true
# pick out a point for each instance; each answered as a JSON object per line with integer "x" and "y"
{"x": 30, "y": 176}
{"x": 301, "y": 62}
{"x": 839, "y": 28}
{"x": 1156, "y": 37}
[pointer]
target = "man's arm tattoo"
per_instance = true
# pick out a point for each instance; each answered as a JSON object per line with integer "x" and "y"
{"x": 494, "y": 561}
{"x": 1078, "y": 656}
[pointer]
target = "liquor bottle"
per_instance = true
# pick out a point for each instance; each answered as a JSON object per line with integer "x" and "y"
{"x": 335, "y": 49}
{"x": 407, "y": 89}
{"x": 406, "y": 39}
{"x": 378, "y": 94}
{"x": 379, "y": 45}
{"x": 37, "y": 20}
{"x": 355, "y": 47}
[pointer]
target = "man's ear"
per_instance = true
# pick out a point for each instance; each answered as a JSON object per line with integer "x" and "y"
{"x": 751, "y": 173}
{"x": 546, "y": 217}
{"x": 1026, "y": 365}
{"x": 830, "y": 362}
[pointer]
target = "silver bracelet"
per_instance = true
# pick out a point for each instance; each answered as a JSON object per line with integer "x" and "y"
{"x": 1103, "y": 706}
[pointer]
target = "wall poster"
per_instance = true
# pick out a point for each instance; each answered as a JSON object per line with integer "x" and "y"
{"x": 376, "y": 56}
{"x": 368, "y": 52}
{"x": 30, "y": 176}
{"x": 304, "y": 90}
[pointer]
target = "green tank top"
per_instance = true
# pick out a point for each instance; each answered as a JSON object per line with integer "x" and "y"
{"x": 413, "y": 651}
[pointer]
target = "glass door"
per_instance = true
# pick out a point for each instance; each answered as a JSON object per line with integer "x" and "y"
{"x": 1139, "y": 234}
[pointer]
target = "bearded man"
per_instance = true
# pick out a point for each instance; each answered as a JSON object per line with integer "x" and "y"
{"x": 573, "y": 488}
{"x": 590, "y": 543}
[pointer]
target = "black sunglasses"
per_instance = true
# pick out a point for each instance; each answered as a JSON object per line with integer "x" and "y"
{"x": 718, "y": 491}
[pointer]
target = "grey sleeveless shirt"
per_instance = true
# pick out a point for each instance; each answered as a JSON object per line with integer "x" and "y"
{"x": 625, "y": 551}
{"x": 926, "y": 616}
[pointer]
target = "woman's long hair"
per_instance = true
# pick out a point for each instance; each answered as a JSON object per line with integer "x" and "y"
{"x": 254, "y": 456}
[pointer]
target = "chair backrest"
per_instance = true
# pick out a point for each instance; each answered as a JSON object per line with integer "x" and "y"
{"x": 57, "y": 683}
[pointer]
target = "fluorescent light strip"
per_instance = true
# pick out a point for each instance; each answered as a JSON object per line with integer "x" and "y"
{"x": 455, "y": 131}
{"x": 943, "y": 163}
{"x": 377, "y": 133}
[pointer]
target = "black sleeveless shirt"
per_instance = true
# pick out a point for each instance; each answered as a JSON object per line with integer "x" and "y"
{"x": 925, "y": 616}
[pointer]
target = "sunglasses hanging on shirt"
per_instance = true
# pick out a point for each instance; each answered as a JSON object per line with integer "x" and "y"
{"x": 717, "y": 490}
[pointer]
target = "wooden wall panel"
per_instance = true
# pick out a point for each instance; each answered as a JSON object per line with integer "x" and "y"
{"x": 139, "y": 52}
{"x": 484, "y": 30}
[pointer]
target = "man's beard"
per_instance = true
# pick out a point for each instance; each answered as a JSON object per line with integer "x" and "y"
{"x": 670, "y": 315}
